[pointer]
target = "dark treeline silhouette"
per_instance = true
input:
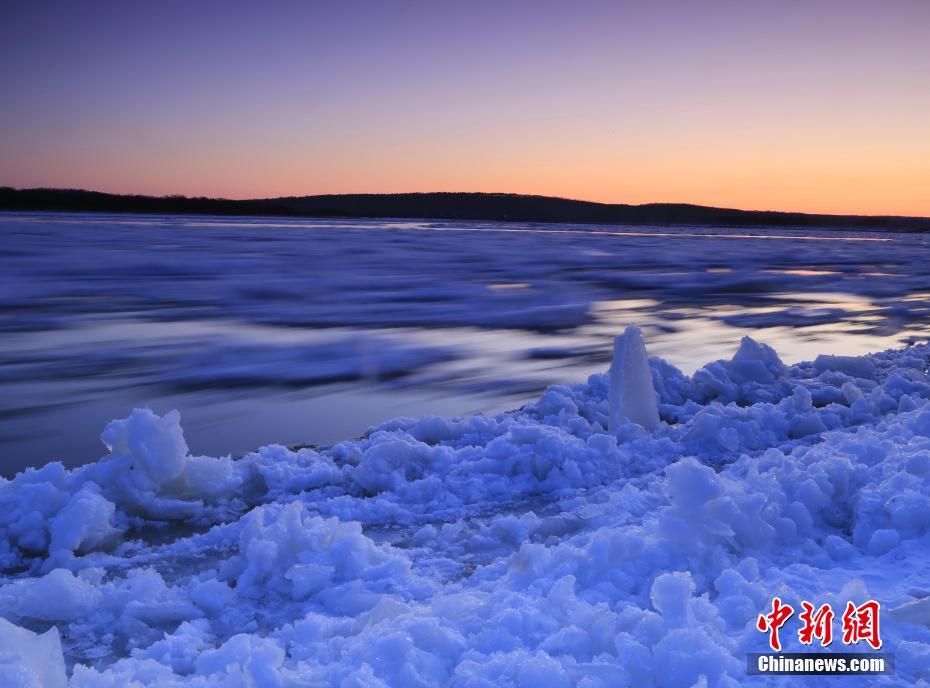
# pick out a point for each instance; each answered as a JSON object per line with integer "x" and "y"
{"x": 451, "y": 206}
{"x": 78, "y": 200}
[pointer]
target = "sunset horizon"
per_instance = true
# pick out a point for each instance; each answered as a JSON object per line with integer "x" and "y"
{"x": 431, "y": 191}
{"x": 816, "y": 107}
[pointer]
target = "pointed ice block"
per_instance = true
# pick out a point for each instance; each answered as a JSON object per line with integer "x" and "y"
{"x": 33, "y": 659}
{"x": 632, "y": 395}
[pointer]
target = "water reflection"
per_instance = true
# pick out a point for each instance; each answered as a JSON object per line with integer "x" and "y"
{"x": 311, "y": 331}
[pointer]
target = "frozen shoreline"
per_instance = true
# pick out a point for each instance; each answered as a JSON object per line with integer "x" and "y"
{"x": 529, "y": 548}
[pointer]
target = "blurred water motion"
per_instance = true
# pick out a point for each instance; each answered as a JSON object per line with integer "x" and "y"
{"x": 303, "y": 331}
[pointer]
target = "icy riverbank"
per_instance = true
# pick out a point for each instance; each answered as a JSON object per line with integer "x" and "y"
{"x": 526, "y": 549}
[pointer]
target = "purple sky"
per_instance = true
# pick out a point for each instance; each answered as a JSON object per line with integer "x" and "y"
{"x": 818, "y": 106}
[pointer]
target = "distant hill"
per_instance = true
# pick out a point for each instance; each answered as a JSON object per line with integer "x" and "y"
{"x": 78, "y": 200}
{"x": 451, "y": 206}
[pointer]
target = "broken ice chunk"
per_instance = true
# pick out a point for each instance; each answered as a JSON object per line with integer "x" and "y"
{"x": 632, "y": 395}
{"x": 30, "y": 659}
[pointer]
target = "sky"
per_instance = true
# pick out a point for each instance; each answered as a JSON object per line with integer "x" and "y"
{"x": 809, "y": 105}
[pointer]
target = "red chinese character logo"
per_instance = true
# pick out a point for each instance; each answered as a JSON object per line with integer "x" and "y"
{"x": 817, "y": 624}
{"x": 774, "y": 620}
{"x": 861, "y": 623}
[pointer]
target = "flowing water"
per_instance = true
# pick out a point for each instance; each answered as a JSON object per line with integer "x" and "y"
{"x": 266, "y": 330}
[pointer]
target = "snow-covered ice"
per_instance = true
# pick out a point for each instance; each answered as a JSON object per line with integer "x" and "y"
{"x": 532, "y": 548}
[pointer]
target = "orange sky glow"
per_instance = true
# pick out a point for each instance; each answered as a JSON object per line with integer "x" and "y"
{"x": 817, "y": 106}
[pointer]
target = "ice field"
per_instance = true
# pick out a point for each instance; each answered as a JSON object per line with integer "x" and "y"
{"x": 527, "y": 501}
{"x": 538, "y": 548}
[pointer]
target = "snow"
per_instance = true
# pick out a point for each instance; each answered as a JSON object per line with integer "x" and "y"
{"x": 58, "y": 596}
{"x": 531, "y": 548}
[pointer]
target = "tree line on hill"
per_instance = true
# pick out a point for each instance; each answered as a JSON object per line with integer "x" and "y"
{"x": 443, "y": 205}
